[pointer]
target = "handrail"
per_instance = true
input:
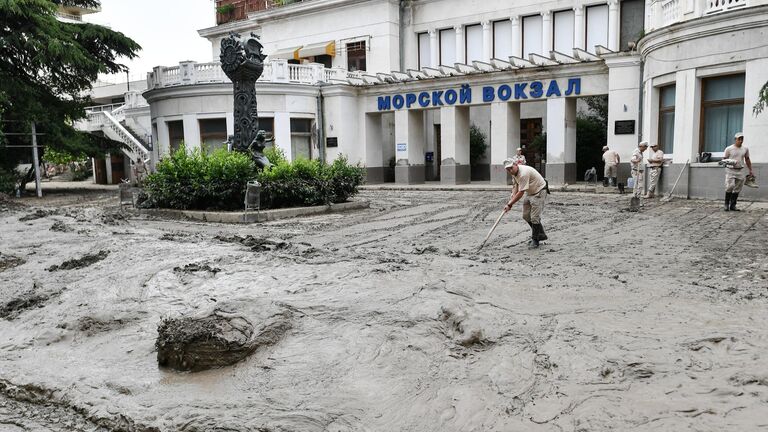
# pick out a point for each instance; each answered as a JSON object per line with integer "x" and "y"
{"x": 125, "y": 135}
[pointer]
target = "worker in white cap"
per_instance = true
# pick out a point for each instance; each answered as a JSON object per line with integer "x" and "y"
{"x": 519, "y": 158}
{"x": 734, "y": 173}
{"x": 655, "y": 161}
{"x": 611, "y": 159}
{"x": 531, "y": 187}
{"x": 637, "y": 167}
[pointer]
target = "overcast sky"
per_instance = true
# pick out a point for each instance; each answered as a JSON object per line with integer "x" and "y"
{"x": 165, "y": 29}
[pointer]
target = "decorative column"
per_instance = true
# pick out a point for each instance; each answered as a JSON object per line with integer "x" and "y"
{"x": 243, "y": 62}
{"x": 613, "y": 25}
{"x": 487, "y": 41}
{"x": 434, "y": 49}
{"x": 409, "y": 146}
{"x": 578, "y": 27}
{"x": 454, "y": 145}
{"x": 546, "y": 33}
{"x": 460, "y": 55}
{"x": 517, "y": 44}
{"x": 561, "y": 140}
{"x": 505, "y": 138}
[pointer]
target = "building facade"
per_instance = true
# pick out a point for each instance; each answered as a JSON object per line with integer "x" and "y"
{"x": 396, "y": 85}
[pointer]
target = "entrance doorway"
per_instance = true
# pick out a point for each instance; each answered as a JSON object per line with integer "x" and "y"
{"x": 533, "y": 150}
{"x": 437, "y": 157}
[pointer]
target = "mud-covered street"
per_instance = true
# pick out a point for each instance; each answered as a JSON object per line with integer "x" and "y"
{"x": 649, "y": 321}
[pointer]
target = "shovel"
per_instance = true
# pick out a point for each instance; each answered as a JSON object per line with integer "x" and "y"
{"x": 634, "y": 204}
{"x": 498, "y": 219}
{"x": 669, "y": 195}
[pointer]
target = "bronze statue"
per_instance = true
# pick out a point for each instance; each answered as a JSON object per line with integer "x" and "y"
{"x": 243, "y": 62}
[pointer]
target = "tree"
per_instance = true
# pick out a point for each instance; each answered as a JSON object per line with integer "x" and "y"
{"x": 46, "y": 68}
{"x": 591, "y": 134}
{"x": 762, "y": 100}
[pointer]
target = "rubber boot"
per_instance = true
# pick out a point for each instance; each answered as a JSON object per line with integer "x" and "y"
{"x": 534, "y": 243}
{"x": 734, "y": 197}
{"x": 532, "y": 232}
{"x": 728, "y": 201}
{"x": 542, "y": 235}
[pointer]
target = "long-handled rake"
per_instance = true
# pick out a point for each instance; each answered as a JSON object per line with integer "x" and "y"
{"x": 668, "y": 198}
{"x": 498, "y": 219}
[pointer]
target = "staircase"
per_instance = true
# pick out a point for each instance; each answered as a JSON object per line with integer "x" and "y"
{"x": 109, "y": 119}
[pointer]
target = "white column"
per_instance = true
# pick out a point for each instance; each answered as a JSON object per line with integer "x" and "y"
{"x": 546, "y": 33}
{"x": 505, "y": 137}
{"x": 613, "y": 25}
{"x": 163, "y": 141}
{"x": 561, "y": 140}
{"x": 454, "y": 145}
{"x": 191, "y": 132}
{"x": 108, "y": 166}
{"x": 578, "y": 27}
{"x": 755, "y": 128}
{"x": 283, "y": 133}
{"x": 374, "y": 148}
{"x": 517, "y": 44}
{"x": 409, "y": 146}
{"x": 687, "y": 115}
{"x": 460, "y": 55}
{"x": 434, "y": 49}
{"x": 487, "y": 41}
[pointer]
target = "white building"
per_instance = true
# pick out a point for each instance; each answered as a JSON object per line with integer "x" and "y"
{"x": 395, "y": 85}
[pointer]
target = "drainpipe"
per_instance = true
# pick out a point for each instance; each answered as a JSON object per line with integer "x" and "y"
{"x": 320, "y": 122}
{"x": 401, "y": 34}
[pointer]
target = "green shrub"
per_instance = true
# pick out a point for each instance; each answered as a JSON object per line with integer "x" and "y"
{"x": 200, "y": 181}
{"x": 477, "y": 145}
{"x": 7, "y": 182}
{"x": 308, "y": 182}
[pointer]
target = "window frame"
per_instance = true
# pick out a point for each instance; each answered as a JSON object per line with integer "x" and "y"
{"x": 418, "y": 48}
{"x": 440, "y": 45}
{"x": 554, "y": 28}
{"x": 524, "y": 54}
{"x": 586, "y": 24}
{"x": 666, "y": 110}
{"x": 364, "y": 57}
{"x": 466, "y": 40}
{"x": 716, "y": 103}
{"x": 493, "y": 42}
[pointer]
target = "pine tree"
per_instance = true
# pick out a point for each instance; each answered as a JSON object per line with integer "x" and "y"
{"x": 46, "y": 69}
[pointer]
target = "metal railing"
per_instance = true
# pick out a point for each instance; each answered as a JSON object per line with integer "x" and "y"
{"x": 715, "y": 6}
{"x": 108, "y": 120}
{"x": 68, "y": 16}
{"x": 671, "y": 11}
{"x": 237, "y": 10}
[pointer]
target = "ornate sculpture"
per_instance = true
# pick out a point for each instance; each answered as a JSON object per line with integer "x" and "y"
{"x": 243, "y": 62}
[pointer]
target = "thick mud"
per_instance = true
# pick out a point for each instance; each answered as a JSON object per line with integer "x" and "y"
{"x": 388, "y": 319}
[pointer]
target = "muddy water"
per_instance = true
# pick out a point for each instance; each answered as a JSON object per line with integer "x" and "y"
{"x": 621, "y": 321}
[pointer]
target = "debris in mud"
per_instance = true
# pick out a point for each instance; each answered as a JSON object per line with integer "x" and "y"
{"x": 463, "y": 336}
{"x": 85, "y": 261}
{"x": 743, "y": 378}
{"x": 91, "y": 326}
{"x": 60, "y": 226}
{"x": 113, "y": 218}
{"x": 9, "y": 262}
{"x": 7, "y": 203}
{"x": 192, "y": 268}
{"x": 422, "y": 251}
{"x": 219, "y": 339}
{"x": 37, "y": 214}
{"x": 256, "y": 244}
{"x": 28, "y": 300}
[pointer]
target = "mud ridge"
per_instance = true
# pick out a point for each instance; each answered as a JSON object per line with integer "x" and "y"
{"x": 77, "y": 263}
{"x": 194, "y": 268}
{"x": 216, "y": 340}
{"x": 29, "y": 300}
{"x": 60, "y": 226}
{"x": 255, "y": 243}
{"x": 10, "y": 261}
{"x": 37, "y": 214}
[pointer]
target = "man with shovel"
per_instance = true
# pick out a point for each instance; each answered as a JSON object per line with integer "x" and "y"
{"x": 637, "y": 168}
{"x": 529, "y": 184}
{"x": 734, "y": 172}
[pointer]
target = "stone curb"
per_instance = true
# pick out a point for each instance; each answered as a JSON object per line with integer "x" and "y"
{"x": 253, "y": 216}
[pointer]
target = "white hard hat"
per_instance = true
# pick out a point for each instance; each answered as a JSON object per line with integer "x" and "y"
{"x": 509, "y": 163}
{"x": 643, "y": 144}
{"x": 738, "y": 135}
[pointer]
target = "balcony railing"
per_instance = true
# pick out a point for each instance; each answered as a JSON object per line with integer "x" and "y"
{"x": 715, "y": 6}
{"x": 276, "y": 71}
{"x": 236, "y": 10}
{"x": 671, "y": 11}
{"x": 68, "y": 16}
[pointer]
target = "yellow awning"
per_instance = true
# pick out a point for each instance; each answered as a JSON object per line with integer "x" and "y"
{"x": 323, "y": 48}
{"x": 286, "y": 53}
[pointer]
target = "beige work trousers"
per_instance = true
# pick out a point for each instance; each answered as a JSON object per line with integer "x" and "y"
{"x": 733, "y": 183}
{"x": 533, "y": 205}
{"x": 639, "y": 177}
{"x": 610, "y": 170}
{"x": 655, "y": 172}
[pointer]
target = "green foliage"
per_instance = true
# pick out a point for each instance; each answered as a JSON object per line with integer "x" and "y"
{"x": 225, "y": 9}
{"x": 592, "y": 134}
{"x": 62, "y": 157}
{"x": 8, "y": 182}
{"x": 200, "y": 180}
{"x": 308, "y": 182}
{"x": 46, "y": 66}
{"x": 477, "y": 145}
{"x": 275, "y": 155}
{"x": 762, "y": 100}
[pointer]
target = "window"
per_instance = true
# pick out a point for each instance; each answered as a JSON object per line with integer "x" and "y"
{"x": 563, "y": 31}
{"x": 667, "y": 119}
{"x": 213, "y": 133}
{"x": 532, "y": 35}
{"x": 425, "y": 57}
{"x": 301, "y": 138}
{"x": 175, "y": 135}
{"x": 474, "y": 43}
{"x": 722, "y": 110}
{"x": 448, "y": 47}
{"x": 597, "y": 26}
{"x": 356, "y": 56}
{"x": 502, "y": 39}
